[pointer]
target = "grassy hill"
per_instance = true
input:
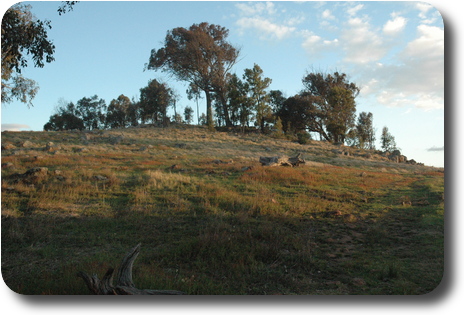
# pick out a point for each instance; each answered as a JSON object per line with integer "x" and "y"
{"x": 211, "y": 219}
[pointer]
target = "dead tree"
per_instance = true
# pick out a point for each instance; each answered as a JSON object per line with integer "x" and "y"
{"x": 124, "y": 284}
{"x": 281, "y": 160}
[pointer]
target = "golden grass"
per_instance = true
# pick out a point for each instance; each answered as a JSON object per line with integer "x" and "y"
{"x": 257, "y": 231}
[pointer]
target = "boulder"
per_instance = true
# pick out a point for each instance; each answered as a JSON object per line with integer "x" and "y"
{"x": 8, "y": 146}
{"x": 25, "y": 144}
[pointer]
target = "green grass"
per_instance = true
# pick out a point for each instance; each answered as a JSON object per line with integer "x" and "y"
{"x": 338, "y": 225}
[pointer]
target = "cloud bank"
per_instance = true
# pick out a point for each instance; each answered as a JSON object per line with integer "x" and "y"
{"x": 15, "y": 127}
{"x": 399, "y": 62}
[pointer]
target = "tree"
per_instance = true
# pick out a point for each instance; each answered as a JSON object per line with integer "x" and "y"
{"x": 200, "y": 55}
{"x": 155, "y": 99}
{"x": 295, "y": 113}
{"x": 66, "y": 117}
{"x": 193, "y": 92}
{"x": 387, "y": 141}
{"x": 92, "y": 111}
{"x": 342, "y": 113}
{"x": 276, "y": 100}
{"x": 240, "y": 105}
{"x": 23, "y": 35}
{"x": 364, "y": 131}
{"x": 118, "y": 113}
{"x": 333, "y": 107}
{"x": 257, "y": 85}
{"x": 188, "y": 114}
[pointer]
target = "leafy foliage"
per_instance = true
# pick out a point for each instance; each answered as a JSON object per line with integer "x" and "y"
{"x": 155, "y": 99}
{"x": 332, "y": 104}
{"x": 257, "y": 85}
{"x": 200, "y": 55}
{"x": 23, "y": 36}
{"x": 388, "y": 142}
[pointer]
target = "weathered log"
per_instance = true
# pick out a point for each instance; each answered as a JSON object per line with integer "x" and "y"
{"x": 281, "y": 160}
{"x": 124, "y": 284}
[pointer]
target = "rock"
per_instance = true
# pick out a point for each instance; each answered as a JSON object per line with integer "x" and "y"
{"x": 8, "y": 146}
{"x": 36, "y": 171}
{"x": 174, "y": 167}
{"x": 26, "y": 144}
{"x": 180, "y": 145}
{"x": 51, "y": 147}
{"x": 359, "y": 282}
{"x": 396, "y": 152}
{"x": 31, "y": 176}
{"x": 7, "y": 165}
{"x": 116, "y": 140}
{"x": 246, "y": 168}
{"x": 86, "y": 137}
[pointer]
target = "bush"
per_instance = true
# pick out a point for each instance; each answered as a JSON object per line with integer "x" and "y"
{"x": 303, "y": 137}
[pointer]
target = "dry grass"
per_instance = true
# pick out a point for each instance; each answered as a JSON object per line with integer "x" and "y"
{"x": 338, "y": 225}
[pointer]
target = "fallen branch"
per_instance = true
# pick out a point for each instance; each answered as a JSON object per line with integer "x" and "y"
{"x": 281, "y": 161}
{"x": 124, "y": 284}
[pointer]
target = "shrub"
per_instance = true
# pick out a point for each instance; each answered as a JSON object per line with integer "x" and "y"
{"x": 303, "y": 137}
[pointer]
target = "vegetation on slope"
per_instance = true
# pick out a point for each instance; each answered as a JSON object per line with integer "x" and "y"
{"x": 211, "y": 219}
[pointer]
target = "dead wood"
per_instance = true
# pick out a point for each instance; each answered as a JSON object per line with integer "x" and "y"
{"x": 124, "y": 284}
{"x": 281, "y": 160}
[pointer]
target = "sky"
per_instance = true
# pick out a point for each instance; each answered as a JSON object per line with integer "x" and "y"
{"x": 394, "y": 51}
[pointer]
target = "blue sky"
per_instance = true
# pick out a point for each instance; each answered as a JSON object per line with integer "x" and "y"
{"x": 393, "y": 50}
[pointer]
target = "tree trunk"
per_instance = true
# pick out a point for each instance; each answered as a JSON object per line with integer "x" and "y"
{"x": 281, "y": 161}
{"x": 124, "y": 284}
{"x": 209, "y": 111}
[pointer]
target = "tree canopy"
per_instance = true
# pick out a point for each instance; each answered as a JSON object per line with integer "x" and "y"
{"x": 23, "y": 37}
{"x": 333, "y": 105}
{"x": 199, "y": 55}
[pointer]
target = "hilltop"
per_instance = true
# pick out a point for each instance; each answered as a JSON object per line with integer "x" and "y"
{"x": 211, "y": 219}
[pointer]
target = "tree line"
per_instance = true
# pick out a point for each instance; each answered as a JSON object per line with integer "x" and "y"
{"x": 202, "y": 56}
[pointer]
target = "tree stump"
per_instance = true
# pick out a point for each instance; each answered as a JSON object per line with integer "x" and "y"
{"x": 281, "y": 160}
{"x": 124, "y": 284}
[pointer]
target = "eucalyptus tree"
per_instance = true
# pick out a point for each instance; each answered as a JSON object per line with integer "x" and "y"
{"x": 387, "y": 140}
{"x": 118, "y": 112}
{"x": 240, "y": 105}
{"x": 333, "y": 107}
{"x": 257, "y": 86}
{"x": 23, "y": 37}
{"x": 92, "y": 111}
{"x": 364, "y": 131}
{"x": 200, "y": 55}
{"x": 155, "y": 99}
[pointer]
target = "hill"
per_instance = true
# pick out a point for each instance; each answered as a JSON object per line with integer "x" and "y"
{"x": 211, "y": 219}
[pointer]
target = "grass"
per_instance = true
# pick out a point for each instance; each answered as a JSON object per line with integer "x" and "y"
{"x": 338, "y": 225}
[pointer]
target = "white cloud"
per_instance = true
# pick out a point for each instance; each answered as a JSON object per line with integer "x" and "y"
{"x": 315, "y": 45}
{"x": 266, "y": 28}
{"x": 414, "y": 78}
{"x": 360, "y": 43}
{"x": 327, "y": 14}
{"x": 354, "y": 10}
{"x": 256, "y": 8}
{"x": 423, "y": 8}
{"x": 436, "y": 149}
{"x": 15, "y": 127}
{"x": 393, "y": 27}
{"x": 295, "y": 20}
{"x": 424, "y": 15}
